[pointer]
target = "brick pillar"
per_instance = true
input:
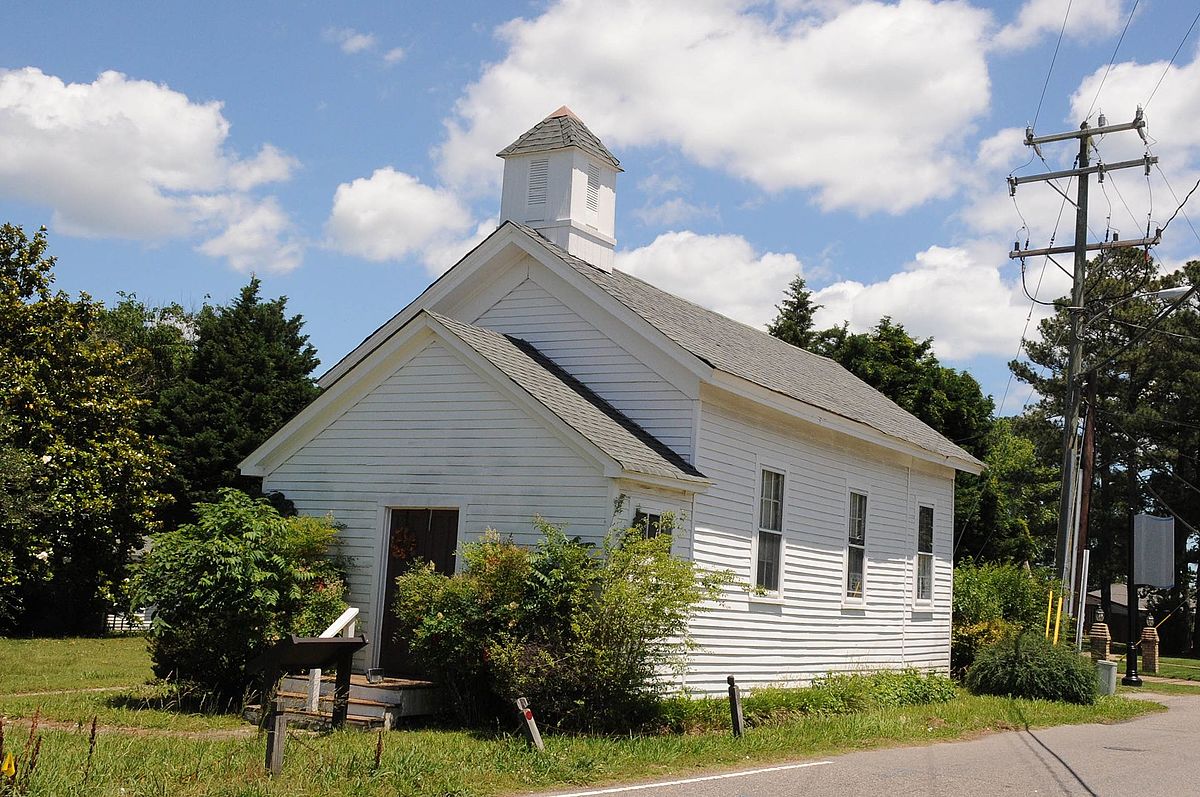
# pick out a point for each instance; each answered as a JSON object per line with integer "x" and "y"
{"x": 1101, "y": 640}
{"x": 1149, "y": 649}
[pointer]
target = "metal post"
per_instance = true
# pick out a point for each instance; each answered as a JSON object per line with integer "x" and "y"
{"x": 529, "y": 725}
{"x": 1131, "y": 600}
{"x": 276, "y": 735}
{"x": 735, "y": 708}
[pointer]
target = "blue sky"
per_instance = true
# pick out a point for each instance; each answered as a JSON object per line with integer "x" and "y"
{"x": 345, "y": 152}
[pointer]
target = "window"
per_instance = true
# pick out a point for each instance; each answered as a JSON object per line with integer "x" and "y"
{"x": 925, "y": 553}
{"x": 593, "y": 187}
{"x": 770, "y": 532}
{"x": 539, "y": 171}
{"x": 650, "y": 524}
{"x": 856, "y": 545}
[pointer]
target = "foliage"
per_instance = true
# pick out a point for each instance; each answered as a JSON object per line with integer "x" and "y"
{"x": 248, "y": 374}
{"x": 834, "y": 694}
{"x": 1029, "y": 666}
{"x": 72, "y": 448}
{"x": 991, "y": 602}
{"x": 1147, "y": 428}
{"x": 227, "y": 585}
{"x": 794, "y": 322}
{"x": 584, "y": 632}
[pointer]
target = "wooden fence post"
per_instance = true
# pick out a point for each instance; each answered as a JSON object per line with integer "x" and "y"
{"x": 735, "y": 707}
{"x": 276, "y": 735}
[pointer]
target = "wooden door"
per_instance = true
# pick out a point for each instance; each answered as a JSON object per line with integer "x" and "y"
{"x": 415, "y": 535}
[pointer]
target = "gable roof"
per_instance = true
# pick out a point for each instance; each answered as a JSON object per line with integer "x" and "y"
{"x": 560, "y": 130}
{"x": 753, "y": 355}
{"x": 633, "y": 448}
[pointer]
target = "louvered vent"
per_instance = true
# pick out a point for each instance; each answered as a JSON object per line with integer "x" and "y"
{"x": 539, "y": 171}
{"x": 593, "y": 187}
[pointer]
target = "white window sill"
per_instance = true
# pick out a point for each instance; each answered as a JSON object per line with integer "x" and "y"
{"x": 923, "y": 607}
{"x": 768, "y": 600}
{"x": 853, "y": 605}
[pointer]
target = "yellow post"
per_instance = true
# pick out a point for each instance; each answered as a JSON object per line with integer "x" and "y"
{"x": 1057, "y": 619}
{"x": 1049, "y": 609}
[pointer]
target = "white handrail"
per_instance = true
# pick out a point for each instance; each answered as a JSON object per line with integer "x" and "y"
{"x": 344, "y": 625}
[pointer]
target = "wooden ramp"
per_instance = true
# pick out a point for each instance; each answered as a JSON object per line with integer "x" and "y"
{"x": 378, "y": 705}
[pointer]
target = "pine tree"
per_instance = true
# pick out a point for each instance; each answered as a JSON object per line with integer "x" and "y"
{"x": 794, "y": 323}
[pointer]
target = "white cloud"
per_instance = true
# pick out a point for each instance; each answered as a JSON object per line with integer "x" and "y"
{"x": 393, "y": 55}
{"x": 1089, "y": 19}
{"x": 953, "y": 294}
{"x": 720, "y": 272}
{"x": 674, "y": 211}
{"x": 259, "y": 237}
{"x": 125, "y": 158}
{"x": 857, "y": 107}
{"x": 349, "y": 40}
{"x": 392, "y": 215}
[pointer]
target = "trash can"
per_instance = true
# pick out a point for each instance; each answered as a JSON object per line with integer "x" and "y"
{"x": 1106, "y": 677}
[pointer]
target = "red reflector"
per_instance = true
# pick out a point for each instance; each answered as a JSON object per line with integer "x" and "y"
{"x": 528, "y": 714}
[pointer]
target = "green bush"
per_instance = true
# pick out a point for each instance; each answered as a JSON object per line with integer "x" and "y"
{"x": 224, "y": 587}
{"x": 992, "y": 601}
{"x": 842, "y": 693}
{"x": 1027, "y": 665}
{"x": 584, "y": 632}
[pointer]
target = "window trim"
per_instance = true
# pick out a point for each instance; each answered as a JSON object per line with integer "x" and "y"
{"x": 776, "y": 595}
{"x": 855, "y": 601}
{"x": 918, "y": 553}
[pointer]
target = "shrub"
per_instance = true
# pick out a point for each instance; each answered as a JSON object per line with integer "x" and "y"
{"x": 223, "y": 588}
{"x": 990, "y": 602}
{"x": 1026, "y": 665}
{"x": 842, "y": 693}
{"x": 584, "y": 632}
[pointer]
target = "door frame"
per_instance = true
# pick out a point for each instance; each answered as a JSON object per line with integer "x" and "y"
{"x": 383, "y": 530}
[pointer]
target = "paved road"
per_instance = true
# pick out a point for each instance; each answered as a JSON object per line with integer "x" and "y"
{"x": 1155, "y": 756}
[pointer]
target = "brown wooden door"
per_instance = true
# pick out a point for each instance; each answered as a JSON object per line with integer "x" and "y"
{"x": 415, "y": 535}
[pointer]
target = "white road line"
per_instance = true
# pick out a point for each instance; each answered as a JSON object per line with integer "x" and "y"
{"x": 665, "y": 783}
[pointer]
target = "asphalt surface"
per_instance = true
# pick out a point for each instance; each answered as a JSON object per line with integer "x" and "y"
{"x": 1155, "y": 756}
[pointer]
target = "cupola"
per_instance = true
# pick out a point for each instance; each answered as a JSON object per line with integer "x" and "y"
{"x": 561, "y": 180}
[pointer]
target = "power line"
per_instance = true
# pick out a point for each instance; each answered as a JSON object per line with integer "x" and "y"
{"x": 1176, "y": 198}
{"x": 1112, "y": 60}
{"x": 1054, "y": 58}
{"x": 1178, "y": 209}
{"x": 1170, "y": 63}
{"x": 1167, "y": 506}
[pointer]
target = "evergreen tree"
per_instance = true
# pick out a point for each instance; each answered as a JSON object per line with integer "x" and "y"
{"x": 794, "y": 322}
{"x": 249, "y": 374}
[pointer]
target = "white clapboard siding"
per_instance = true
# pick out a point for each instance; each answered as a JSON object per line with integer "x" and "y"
{"x": 531, "y": 313}
{"x": 809, "y": 631}
{"x": 436, "y": 429}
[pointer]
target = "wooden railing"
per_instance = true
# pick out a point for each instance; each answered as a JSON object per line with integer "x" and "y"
{"x": 343, "y": 626}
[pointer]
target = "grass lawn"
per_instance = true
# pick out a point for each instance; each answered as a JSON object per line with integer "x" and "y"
{"x": 134, "y": 760}
{"x": 1187, "y": 669}
{"x": 43, "y": 665}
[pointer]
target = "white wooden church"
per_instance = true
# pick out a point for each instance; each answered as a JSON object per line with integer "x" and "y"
{"x": 535, "y": 378}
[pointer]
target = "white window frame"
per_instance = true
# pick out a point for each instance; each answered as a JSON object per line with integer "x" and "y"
{"x": 861, "y": 598}
{"x": 760, "y": 593}
{"x": 925, "y": 555}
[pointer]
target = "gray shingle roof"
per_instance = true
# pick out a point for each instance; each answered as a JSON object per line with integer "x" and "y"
{"x": 752, "y": 354}
{"x": 560, "y": 130}
{"x": 636, "y": 450}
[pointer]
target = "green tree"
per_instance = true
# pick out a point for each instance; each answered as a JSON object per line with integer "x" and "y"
{"x": 906, "y": 370}
{"x": 248, "y": 375}
{"x": 794, "y": 321}
{"x": 1147, "y": 425}
{"x": 74, "y": 421}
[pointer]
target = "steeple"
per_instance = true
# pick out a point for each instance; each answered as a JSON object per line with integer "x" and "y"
{"x": 560, "y": 179}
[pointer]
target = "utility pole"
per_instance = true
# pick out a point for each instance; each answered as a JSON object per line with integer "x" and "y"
{"x": 1080, "y": 248}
